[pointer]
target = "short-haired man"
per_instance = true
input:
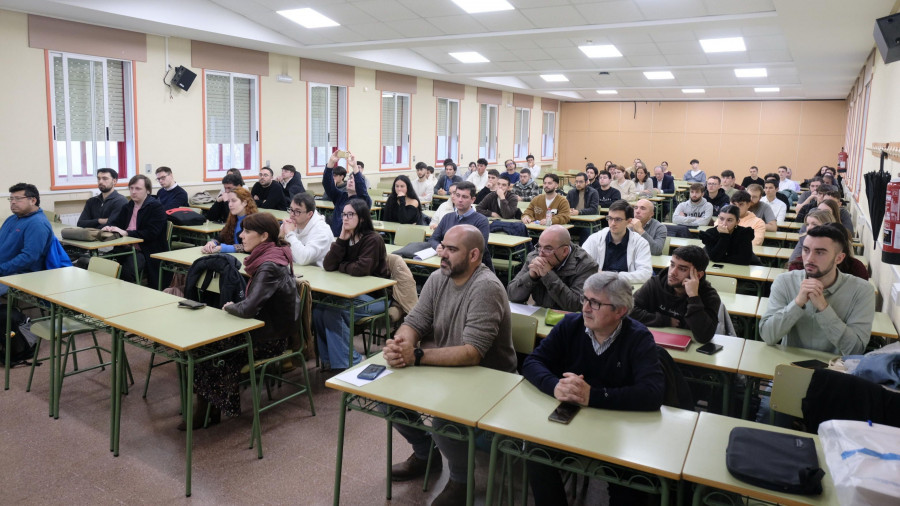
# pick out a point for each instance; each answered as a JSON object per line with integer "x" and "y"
{"x": 810, "y": 194}
{"x": 554, "y": 273}
{"x": 144, "y": 218}
{"x": 606, "y": 193}
{"x": 424, "y": 189}
{"x": 742, "y": 200}
{"x": 511, "y": 171}
{"x": 785, "y": 182}
{"x": 592, "y": 172}
{"x": 551, "y": 209}
{"x": 447, "y": 178}
{"x": 526, "y": 188}
{"x": 26, "y": 235}
{"x": 492, "y": 175}
{"x": 778, "y": 207}
{"x": 219, "y": 212}
{"x": 646, "y": 226}
{"x": 680, "y": 296}
{"x": 341, "y": 192}
{"x": 268, "y": 193}
{"x": 583, "y": 199}
{"x": 535, "y": 170}
{"x": 694, "y": 212}
{"x": 446, "y": 207}
{"x": 623, "y": 184}
{"x": 823, "y": 193}
{"x": 99, "y": 209}
{"x": 662, "y": 182}
{"x": 462, "y": 318}
{"x": 292, "y": 182}
{"x": 760, "y": 208}
{"x": 500, "y": 203}
{"x": 464, "y": 214}
{"x": 479, "y": 178}
{"x": 819, "y": 307}
{"x": 728, "y": 185}
{"x": 306, "y": 231}
{"x": 695, "y": 175}
{"x": 170, "y": 195}
{"x": 617, "y": 249}
{"x": 599, "y": 358}
{"x": 753, "y": 178}
{"x": 714, "y": 195}
{"x": 470, "y": 170}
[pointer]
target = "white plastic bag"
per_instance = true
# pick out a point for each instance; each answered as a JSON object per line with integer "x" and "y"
{"x": 864, "y": 461}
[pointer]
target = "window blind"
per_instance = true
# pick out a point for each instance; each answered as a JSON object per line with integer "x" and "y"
{"x": 318, "y": 115}
{"x": 218, "y": 109}
{"x": 442, "y": 113}
{"x": 243, "y": 110}
{"x": 115, "y": 86}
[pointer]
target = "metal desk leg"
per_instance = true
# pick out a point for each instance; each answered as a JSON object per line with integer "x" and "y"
{"x": 342, "y": 418}
{"x": 189, "y": 425}
{"x": 352, "y": 333}
{"x": 257, "y": 430}
{"x": 470, "y": 478}
{"x": 53, "y": 366}
{"x": 10, "y": 302}
{"x": 137, "y": 279}
{"x": 390, "y": 458}
{"x": 492, "y": 467}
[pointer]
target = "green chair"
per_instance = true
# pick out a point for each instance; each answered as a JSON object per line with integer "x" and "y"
{"x": 407, "y": 234}
{"x": 788, "y": 389}
{"x": 722, "y": 284}
{"x": 177, "y": 244}
{"x": 524, "y": 332}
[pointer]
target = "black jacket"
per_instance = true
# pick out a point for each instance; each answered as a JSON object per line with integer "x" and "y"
{"x": 734, "y": 248}
{"x": 270, "y": 197}
{"x": 655, "y": 303}
{"x": 717, "y": 203}
{"x": 151, "y": 225}
{"x": 293, "y": 187}
{"x": 231, "y": 282}
{"x": 96, "y": 208}
{"x": 591, "y": 200}
{"x": 272, "y": 297}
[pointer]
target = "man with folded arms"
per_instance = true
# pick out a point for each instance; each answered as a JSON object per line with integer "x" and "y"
{"x": 100, "y": 208}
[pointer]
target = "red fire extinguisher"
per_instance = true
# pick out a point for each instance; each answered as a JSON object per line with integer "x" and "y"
{"x": 890, "y": 252}
{"x": 842, "y": 160}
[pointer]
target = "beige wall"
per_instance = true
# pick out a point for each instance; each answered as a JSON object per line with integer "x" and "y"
{"x": 722, "y": 135}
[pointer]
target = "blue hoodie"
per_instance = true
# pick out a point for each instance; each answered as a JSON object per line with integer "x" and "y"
{"x": 24, "y": 242}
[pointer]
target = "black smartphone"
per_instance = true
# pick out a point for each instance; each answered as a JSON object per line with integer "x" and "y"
{"x": 718, "y": 266}
{"x": 190, "y": 304}
{"x": 709, "y": 348}
{"x": 564, "y": 413}
{"x": 810, "y": 364}
{"x": 371, "y": 372}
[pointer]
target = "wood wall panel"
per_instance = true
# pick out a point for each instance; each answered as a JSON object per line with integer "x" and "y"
{"x": 604, "y": 116}
{"x": 669, "y": 116}
{"x": 780, "y": 118}
{"x": 706, "y": 148}
{"x": 741, "y": 118}
{"x": 704, "y": 117}
{"x": 817, "y": 150}
{"x": 668, "y": 146}
{"x": 635, "y": 117}
{"x": 775, "y": 150}
{"x": 822, "y": 118}
{"x": 736, "y": 150}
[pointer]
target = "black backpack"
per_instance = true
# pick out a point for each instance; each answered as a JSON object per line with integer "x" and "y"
{"x": 185, "y": 217}
{"x": 231, "y": 282}
{"x": 774, "y": 460}
{"x": 21, "y": 347}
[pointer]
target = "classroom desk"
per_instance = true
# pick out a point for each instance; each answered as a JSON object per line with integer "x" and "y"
{"x": 203, "y": 207}
{"x": 198, "y": 234}
{"x": 650, "y": 445}
{"x": 591, "y": 222}
{"x": 458, "y": 394}
{"x": 770, "y": 252}
{"x": 179, "y": 334}
{"x": 278, "y": 214}
{"x": 418, "y": 268}
{"x": 756, "y": 274}
{"x": 93, "y": 247}
{"x": 705, "y": 464}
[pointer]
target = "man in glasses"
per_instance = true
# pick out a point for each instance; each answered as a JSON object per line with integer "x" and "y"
{"x": 554, "y": 273}
{"x": 306, "y": 231}
{"x": 618, "y": 249}
{"x": 25, "y": 236}
{"x": 170, "y": 195}
{"x": 599, "y": 358}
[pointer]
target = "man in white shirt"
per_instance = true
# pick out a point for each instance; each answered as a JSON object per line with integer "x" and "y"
{"x": 618, "y": 249}
{"x": 424, "y": 189}
{"x": 790, "y": 188}
{"x": 534, "y": 169}
{"x": 479, "y": 178}
{"x": 777, "y": 206}
{"x": 306, "y": 231}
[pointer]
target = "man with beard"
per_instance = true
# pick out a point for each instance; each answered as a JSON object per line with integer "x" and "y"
{"x": 462, "y": 319}
{"x": 268, "y": 193}
{"x": 526, "y": 188}
{"x": 695, "y": 212}
{"x": 819, "y": 307}
{"x": 99, "y": 209}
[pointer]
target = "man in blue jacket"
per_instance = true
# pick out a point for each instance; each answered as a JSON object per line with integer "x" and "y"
{"x": 170, "y": 195}
{"x": 25, "y": 236}
{"x": 340, "y": 191}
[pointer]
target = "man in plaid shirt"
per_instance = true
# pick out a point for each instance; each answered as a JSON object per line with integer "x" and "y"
{"x": 525, "y": 188}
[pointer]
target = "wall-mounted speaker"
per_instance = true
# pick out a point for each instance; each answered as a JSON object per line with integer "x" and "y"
{"x": 183, "y": 78}
{"x": 887, "y": 37}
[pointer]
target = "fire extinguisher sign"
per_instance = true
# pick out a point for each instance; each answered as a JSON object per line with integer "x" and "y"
{"x": 890, "y": 252}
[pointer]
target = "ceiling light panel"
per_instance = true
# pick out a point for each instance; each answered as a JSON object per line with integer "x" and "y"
{"x": 750, "y": 72}
{"x": 607, "y": 92}
{"x": 478, "y": 6}
{"x": 600, "y": 51}
{"x": 693, "y": 90}
{"x": 554, "y": 78}
{"x": 726, "y": 45}
{"x": 469, "y": 57}
{"x": 767, "y": 90}
{"x": 657, "y": 75}
{"x": 308, "y": 18}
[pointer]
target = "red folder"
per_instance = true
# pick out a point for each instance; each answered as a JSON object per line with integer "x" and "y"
{"x": 672, "y": 341}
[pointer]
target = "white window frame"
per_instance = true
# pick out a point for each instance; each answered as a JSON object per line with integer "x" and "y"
{"x": 521, "y": 133}
{"x": 214, "y": 168}
{"x": 548, "y": 135}
{"x": 488, "y": 115}
{"x": 332, "y": 128}
{"x": 395, "y": 147}
{"x": 447, "y": 146}
{"x": 101, "y": 152}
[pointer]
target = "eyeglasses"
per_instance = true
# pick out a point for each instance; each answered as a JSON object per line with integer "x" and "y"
{"x": 596, "y": 304}
{"x": 161, "y": 178}
{"x": 614, "y": 220}
{"x": 296, "y": 212}
{"x": 347, "y": 216}
{"x": 18, "y": 198}
{"x": 548, "y": 249}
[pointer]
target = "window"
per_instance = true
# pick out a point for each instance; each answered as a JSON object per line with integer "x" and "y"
{"x": 523, "y": 127}
{"x": 92, "y": 118}
{"x": 447, "y": 129}
{"x": 327, "y": 123}
{"x": 548, "y": 135}
{"x": 394, "y": 130}
{"x": 487, "y": 140}
{"x": 232, "y": 128}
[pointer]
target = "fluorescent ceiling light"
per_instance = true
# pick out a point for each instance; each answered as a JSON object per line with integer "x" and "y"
{"x": 750, "y": 72}
{"x": 766, "y": 90}
{"x": 554, "y": 78}
{"x": 600, "y": 51}
{"x": 308, "y": 18}
{"x": 723, "y": 45}
{"x": 476, "y": 6}
{"x": 607, "y": 92}
{"x": 567, "y": 94}
{"x": 469, "y": 57}
{"x": 693, "y": 90}
{"x": 664, "y": 74}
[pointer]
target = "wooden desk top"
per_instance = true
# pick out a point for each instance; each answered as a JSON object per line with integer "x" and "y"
{"x": 759, "y": 359}
{"x": 762, "y": 251}
{"x": 433, "y": 262}
{"x": 207, "y": 228}
{"x": 656, "y": 442}
{"x": 726, "y": 360}
{"x": 115, "y": 299}
{"x": 44, "y": 283}
{"x": 751, "y": 272}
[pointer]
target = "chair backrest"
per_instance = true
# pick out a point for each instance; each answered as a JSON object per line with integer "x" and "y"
{"x": 722, "y": 284}
{"x": 52, "y": 217}
{"x": 408, "y": 234}
{"x": 667, "y": 245}
{"x": 789, "y": 388}
{"x": 104, "y": 266}
{"x": 169, "y": 234}
{"x": 524, "y": 330}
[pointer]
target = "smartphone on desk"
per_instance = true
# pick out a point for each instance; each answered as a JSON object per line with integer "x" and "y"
{"x": 810, "y": 364}
{"x": 564, "y": 413}
{"x": 710, "y": 349}
{"x": 190, "y": 304}
{"x": 718, "y": 266}
{"x": 371, "y": 372}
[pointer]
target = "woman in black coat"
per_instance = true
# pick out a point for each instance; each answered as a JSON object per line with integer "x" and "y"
{"x": 729, "y": 242}
{"x": 402, "y": 204}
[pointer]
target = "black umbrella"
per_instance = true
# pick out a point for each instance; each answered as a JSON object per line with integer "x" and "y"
{"x": 876, "y": 189}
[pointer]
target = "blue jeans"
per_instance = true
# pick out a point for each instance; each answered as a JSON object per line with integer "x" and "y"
{"x": 333, "y": 330}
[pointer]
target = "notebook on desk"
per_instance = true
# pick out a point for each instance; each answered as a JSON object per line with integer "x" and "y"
{"x": 671, "y": 341}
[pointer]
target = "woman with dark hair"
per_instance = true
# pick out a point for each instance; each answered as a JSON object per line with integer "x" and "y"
{"x": 729, "y": 242}
{"x": 402, "y": 204}
{"x": 271, "y": 296}
{"x": 358, "y": 251}
{"x": 240, "y": 205}
{"x": 642, "y": 183}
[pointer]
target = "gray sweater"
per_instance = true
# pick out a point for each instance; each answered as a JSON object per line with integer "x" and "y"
{"x": 561, "y": 288}
{"x": 655, "y": 234}
{"x": 693, "y": 214}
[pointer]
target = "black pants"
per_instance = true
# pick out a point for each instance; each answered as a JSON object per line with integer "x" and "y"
{"x": 547, "y": 488}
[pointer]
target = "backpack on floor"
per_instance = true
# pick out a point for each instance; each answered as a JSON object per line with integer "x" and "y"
{"x": 23, "y": 342}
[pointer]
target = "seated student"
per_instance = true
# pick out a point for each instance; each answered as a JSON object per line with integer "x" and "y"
{"x": 680, "y": 296}
{"x": 500, "y": 203}
{"x": 446, "y": 206}
{"x": 778, "y": 207}
{"x": 402, "y": 204}
{"x": 471, "y": 170}
{"x": 591, "y": 173}
{"x": 306, "y": 231}
{"x": 534, "y": 169}
{"x": 236, "y": 173}
{"x": 760, "y": 207}
{"x": 728, "y": 185}
{"x": 26, "y": 235}
{"x": 144, "y": 218}
{"x": 606, "y": 193}
{"x": 291, "y": 181}
{"x": 358, "y": 251}
{"x": 714, "y": 195}
{"x": 219, "y": 211}
{"x": 492, "y": 175}
{"x": 526, "y": 188}
{"x": 480, "y": 177}
{"x": 695, "y": 175}
{"x": 810, "y": 194}
{"x": 100, "y": 208}
{"x": 643, "y": 183}
{"x": 241, "y": 205}
{"x": 646, "y": 226}
{"x": 554, "y": 273}
{"x": 622, "y": 183}
{"x": 170, "y": 195}
{"x": 552, "y": 209}
{"x": 729, "y": 242}
{"x": 820, "y": 308}
{"x": 511, "y": 171}
{"x": 753, "y": 178}
{"x": 836, "y": 181}
{"x": 268, "y": 193}
{"x": 447, "y": 178}
{"x": 742, "y": 200}
{"x": 817, "y": 218}
{"x": 423, "y": 186}
{"x": 617, "y": 249}
{"x": 465, "y": 214}
{"x": 694, "y": 212}
{"x": 828, "y": 192}
{"x": 662, "y": 182}
{"x": 340, "y": 191}
{"x": 583, "y": 199}
{"x": 272, "y": 297}
{"x": 599, "y": 358}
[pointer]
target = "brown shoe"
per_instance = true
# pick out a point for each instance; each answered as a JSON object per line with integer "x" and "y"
{"x": 413, "y": 467}
{"x": 454, "y": 494}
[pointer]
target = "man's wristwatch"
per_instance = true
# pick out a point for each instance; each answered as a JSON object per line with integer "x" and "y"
{"x": 418, "y": 353}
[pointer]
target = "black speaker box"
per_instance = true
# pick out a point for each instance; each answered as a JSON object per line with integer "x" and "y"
{"x": 183, "y": 78}
{"x": 887, "y": 37}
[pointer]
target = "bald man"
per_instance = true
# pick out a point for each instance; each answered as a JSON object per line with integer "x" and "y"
{"x": 554, "y": 273}
{"x": 462, "y": 318}
{"x": 646, "y": 226}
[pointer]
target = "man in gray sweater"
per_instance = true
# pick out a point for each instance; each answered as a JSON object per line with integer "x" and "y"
{"x": 646, "y": 226}
{"x": 694, "y": 212}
